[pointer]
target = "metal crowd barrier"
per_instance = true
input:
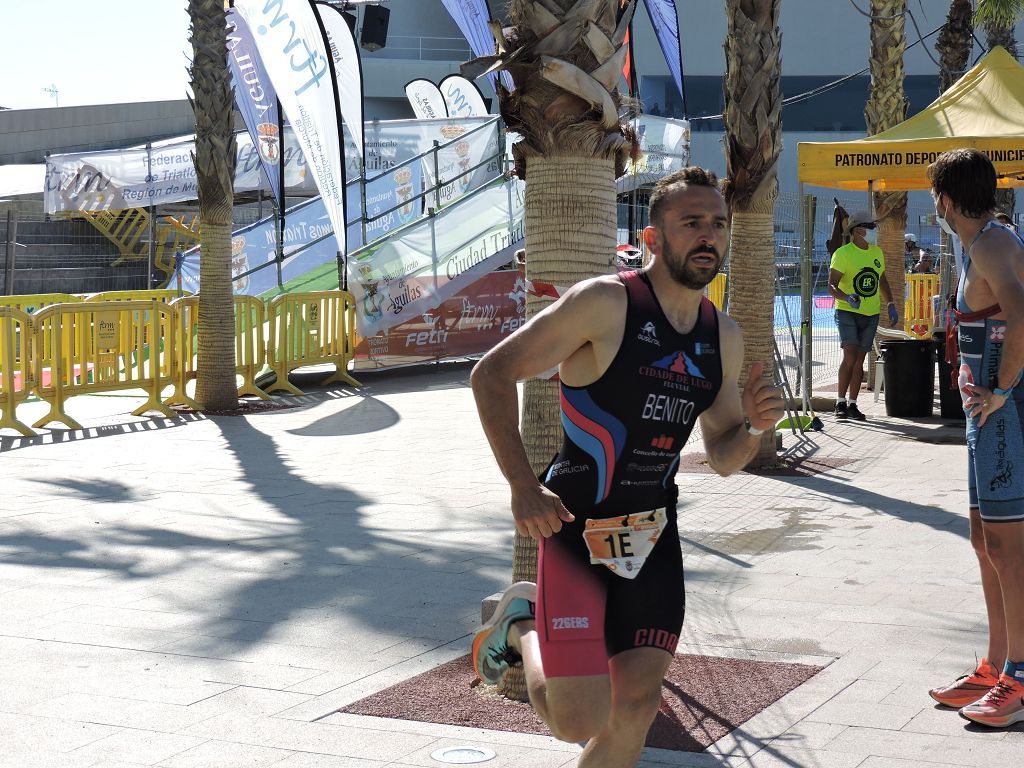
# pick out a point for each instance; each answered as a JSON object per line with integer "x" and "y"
{"x": 715, "y": 290}
{"x": 30, "y": 303}
{"x": 164, "y": 296}
{"x": 250, "y": 346}
{"x": 919, "y": 309}
{"x": 122, "y": 343}
{"x": 311, "y": 329}
{"x": 16, "y": 328}
{"x": 102, "y": 347}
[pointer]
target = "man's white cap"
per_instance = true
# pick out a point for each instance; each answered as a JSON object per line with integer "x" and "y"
{"x": 909, "y": 238}
{"x": 860, "y": 219}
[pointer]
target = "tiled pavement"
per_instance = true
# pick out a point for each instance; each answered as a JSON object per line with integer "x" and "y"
{"x": 208, "y": 591}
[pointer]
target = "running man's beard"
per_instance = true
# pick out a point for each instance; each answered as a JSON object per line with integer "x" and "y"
{"x": 687, "y": 276}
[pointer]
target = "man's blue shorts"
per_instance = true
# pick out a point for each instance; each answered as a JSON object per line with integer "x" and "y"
{"x": 855, "y": 328}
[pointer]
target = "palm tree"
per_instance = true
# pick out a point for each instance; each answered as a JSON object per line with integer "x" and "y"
{"x": 998, "y": 17}
{"x": 753, "y": 126}
{"x": 212, "y": 102}
{"x": 565, "y": 58}
{"x": 886, "y": 107}
{"x": 955, "y": 42}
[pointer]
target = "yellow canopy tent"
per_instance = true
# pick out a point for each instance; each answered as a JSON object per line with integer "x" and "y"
{"x": 983, "y": 109}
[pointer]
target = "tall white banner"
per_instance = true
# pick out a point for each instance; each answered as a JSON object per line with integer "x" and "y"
{"x": 462, "y": 97}
{"x": 289, "y": 38}
{"x": 348, "y": 75}
{"x": 426, "y": 99}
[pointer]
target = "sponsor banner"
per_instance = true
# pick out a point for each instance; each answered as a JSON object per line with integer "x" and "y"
{"x": 307, "y": 234}
{"x": 256, "y": 99}
{"x": 664, "y": 144}
{"x": 138, "y": 177}
{"x": 289, "y": 38}
{"x": 426, "y": 99}
{"x": 472, "y": 16}
{"x": 410, "y": 274}
{"x": 465, "y": 324}
{"x": 666, "y": 28}
{"x": 462, "y": 97}
{"x": 460, "y": 161}
{"x": 348, "y": 74}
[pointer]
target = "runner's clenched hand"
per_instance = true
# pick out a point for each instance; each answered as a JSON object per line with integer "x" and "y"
{"x": 762, "y": 400}
{"x": 538, "y": 512}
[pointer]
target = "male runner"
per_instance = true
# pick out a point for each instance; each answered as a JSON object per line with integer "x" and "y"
{"x": 990, "y": 314}
{"x": 641, "y": 356}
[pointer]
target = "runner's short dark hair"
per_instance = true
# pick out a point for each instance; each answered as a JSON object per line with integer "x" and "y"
{"x": 968, "y": 178}
{"x": 691, "y": 176}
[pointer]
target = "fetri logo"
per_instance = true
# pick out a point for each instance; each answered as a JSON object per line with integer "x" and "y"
{"x": 663, "y": 442}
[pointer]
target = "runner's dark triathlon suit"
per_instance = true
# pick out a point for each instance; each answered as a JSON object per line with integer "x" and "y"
{"x": 597, "y": 594}
{"x": 995, "y": 452}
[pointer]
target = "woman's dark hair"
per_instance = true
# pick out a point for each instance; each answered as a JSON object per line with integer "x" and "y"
{"x": 968, "y": 178}
{"x": 692, "y": 176}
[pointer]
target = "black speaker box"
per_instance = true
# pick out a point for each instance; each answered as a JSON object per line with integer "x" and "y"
{"x": 374, "y": 34}
{"x": 350, "y": 19}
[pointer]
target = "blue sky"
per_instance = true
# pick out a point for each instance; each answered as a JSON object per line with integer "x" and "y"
{"x": 95, "y": 52}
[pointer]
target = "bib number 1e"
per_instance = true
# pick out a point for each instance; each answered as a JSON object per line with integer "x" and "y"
{"x": 623, "y": 543}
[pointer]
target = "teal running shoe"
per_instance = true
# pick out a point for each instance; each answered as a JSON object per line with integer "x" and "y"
{"x": 492, "y": 655}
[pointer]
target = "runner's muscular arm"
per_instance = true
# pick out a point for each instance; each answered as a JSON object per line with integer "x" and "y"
{"x": 584, "y": 315}
{"x": 728, "y": 444}
{"x": 1003, "y": 275}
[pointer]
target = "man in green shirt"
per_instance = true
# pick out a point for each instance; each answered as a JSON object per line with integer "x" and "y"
{"x": 856, "y": 273}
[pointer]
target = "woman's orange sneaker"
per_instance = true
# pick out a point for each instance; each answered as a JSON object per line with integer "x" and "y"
{"x": 967, "y": 689}
{"x": 1003, "y": 705}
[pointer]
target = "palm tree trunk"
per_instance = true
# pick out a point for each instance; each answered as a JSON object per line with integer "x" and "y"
{"x": 213, "y": 102}
{"x": 569, "y": 237}
{"x": 886, "y": 107}
{"x": 955, "y": 42}
{"x": 753, "y": 124}
{"x": 998, "y": 34}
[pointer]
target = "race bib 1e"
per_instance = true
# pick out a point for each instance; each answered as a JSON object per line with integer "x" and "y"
{"x": 623, "y": 543}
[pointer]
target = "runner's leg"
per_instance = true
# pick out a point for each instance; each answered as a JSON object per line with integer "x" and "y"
{"x": 636, "y": 679}
{"x": 1004, "y": 543}
{"x": 993, "y": 594}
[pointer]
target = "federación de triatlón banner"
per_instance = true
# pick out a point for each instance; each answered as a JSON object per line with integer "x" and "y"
{"x": 255, "y": 98}
{"x": 666, "y": 27}
{"x": 289, "y": 38}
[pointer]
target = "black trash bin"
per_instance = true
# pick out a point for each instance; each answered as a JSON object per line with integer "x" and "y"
{"x": 909, "y": 377}
{"x": 951, "y": 404}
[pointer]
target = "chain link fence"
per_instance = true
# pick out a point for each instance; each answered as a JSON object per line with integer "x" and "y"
{"x": 55, "y": 254}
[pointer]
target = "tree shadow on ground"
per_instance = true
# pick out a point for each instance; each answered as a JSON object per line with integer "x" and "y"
{"x": 300, "y": 562}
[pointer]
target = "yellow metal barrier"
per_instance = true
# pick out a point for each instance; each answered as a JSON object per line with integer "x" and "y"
{"x": 164, "y": 296}
{"x": 919, "y": 312}
{"x": 16, "y": 328}
{"x": 310, "y": 329}
{"x": 184, "y": 364}
{"x": 250, "y": 346}
{"x": 715, "y": 290}
{"x": 32, "y": 302}
{"x": 90, "y": 348}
